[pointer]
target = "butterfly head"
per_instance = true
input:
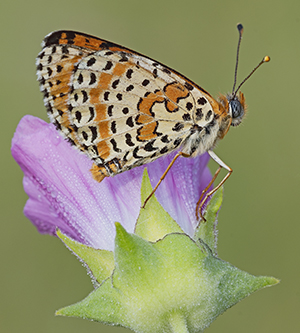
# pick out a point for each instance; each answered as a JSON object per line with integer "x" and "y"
{"x": 236, "y": 108}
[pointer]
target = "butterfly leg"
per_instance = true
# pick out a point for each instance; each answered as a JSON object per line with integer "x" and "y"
{"x": 201, "y": 202}
{"x": 164, "y": 175}
{"x": 198, "y": 206}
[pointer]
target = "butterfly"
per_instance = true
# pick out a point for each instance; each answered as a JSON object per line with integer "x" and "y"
{"x": 125, "y": 110}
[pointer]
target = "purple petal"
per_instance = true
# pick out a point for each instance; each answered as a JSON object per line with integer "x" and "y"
{"x": 63, "y": 194}
{"x": 180, "y": 191}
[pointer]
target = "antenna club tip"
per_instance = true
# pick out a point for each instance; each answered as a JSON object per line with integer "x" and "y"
{"x": 240, "y": 28}
{"x": 266, "y": 59}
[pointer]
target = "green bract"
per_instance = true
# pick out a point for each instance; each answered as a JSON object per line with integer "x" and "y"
{"x": 160, "y": 279}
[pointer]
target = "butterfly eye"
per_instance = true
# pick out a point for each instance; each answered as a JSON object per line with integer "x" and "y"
{"x": 235, "y": 108}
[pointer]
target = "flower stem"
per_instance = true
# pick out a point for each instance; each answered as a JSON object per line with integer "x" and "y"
{"x": 178, "y": 323}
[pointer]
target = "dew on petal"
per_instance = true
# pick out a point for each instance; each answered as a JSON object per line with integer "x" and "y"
{"x": 53, "y": 194}
{"x": 62, "y": 192}
{"x": 56, "y": 139}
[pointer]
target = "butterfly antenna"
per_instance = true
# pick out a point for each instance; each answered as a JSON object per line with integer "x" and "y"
{"x": 240, "y": 29}
{"x": 265, "y": 59}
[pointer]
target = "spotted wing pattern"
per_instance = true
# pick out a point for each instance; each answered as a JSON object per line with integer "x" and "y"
{"x": 119, "y": 107}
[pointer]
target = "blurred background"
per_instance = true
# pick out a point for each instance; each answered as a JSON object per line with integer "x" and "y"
{"x": 258, "y": 225}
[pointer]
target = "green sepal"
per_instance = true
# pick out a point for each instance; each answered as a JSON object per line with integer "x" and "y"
{"x": 103, "y": 305}
{"x": 99, "y": 263}
{"x": 154, "y": 285}
{"x": 153, "y": 222}
{"x": 160, "y": 279}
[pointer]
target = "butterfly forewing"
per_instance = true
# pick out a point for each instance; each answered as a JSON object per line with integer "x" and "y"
{"x": 121, "y": 108}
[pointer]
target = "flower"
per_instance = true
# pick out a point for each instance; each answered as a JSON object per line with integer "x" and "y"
{"x": 164, "y": 277}
{"x": 63, "y": 194}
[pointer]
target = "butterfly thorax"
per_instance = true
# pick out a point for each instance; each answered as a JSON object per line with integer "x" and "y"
{"x": 228, "y": 111}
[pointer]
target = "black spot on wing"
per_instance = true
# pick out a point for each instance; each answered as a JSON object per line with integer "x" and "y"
{"x": 188, "y": 86}
{"x": 202, "y": 101}
{"x": 108, "y": 66}
{"x": 177, "y": 142}
{"x": 129, "y": 122}
{"x": 149, "y": 146}
{"x": 92, "y": 78}
{"x": 145, "y": 82}
{"x": 130, "y": 87}
{"x": 164, "y": 150}
{"x": 129, "y": 140}
{"x": 113, "y": 127}
{"x": 199, "y": 114}
{"x": 135, "y": 153}
{"x": 115, "y": 84}
{"x": 80, "y": 78}
{"x": 78, "y": 116}
{"x": 91, "y": 62}
{"x": 186, "y": 117}
{"x": 114, "y": 144}
{"x": 129, "y": 73}
{"x": 109, "y": 110}
{"x": 94, "y": 132}
{"x": 85, "y": 96}
{"x": 178, "y": 127}
{"x": 125, "y": 110}
{"x": 189, "y": 106}
{"x": 208, "y": 115}
{"x": 165, "y": 139}
{"x": 92, "y": 113}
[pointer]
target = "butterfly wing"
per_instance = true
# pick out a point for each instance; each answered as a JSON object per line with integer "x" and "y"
{"x": 119, "y": 107}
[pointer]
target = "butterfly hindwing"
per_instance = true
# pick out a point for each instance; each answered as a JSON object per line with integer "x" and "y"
{"x": 119, "y": 107}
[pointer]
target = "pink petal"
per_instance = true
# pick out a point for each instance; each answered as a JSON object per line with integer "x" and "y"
{"x": 63, "y": 194}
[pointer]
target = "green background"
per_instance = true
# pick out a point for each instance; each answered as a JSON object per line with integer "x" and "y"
{"x": 259, "y": 224}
